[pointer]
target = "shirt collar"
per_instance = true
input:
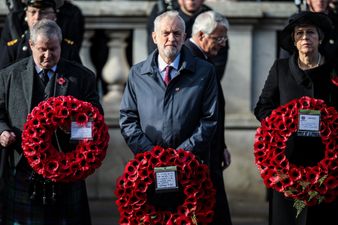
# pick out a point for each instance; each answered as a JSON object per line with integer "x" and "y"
{"x": 39, "y": 69}
{"x": 192, "y": 41}
{"x": 174, "y": 64}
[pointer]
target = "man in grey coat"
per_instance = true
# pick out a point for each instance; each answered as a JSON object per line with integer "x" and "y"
{"x": 180, "y": 114}
{"x": 22, "y": 86}
{"x": 170, "y": 99}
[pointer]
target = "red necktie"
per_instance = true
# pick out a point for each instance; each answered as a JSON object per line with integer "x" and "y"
{"x": 167, "y": 77}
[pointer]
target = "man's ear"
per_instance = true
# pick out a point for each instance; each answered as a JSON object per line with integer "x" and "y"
{"x": 153, "y": 34}
{"x": 30, "y": 43}
{"x": 200, "y": 35}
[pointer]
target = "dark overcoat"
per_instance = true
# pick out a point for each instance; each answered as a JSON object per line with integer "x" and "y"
{"x": 285, "y": 83}
{"x": 20, "y": 92}
{"x": 222, "y": 212}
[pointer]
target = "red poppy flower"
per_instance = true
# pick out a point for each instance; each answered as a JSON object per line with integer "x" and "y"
{"x": 61, "y": 81}
{"x": 295, "y": 181}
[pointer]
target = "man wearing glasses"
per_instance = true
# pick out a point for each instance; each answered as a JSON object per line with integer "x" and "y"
{"x": 15, "y": 49}
{"x": 209, "y": 36}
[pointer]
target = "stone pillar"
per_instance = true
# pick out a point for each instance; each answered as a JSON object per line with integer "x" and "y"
{"x": 140, "y": 50}
{"x": 263, "y": 58}
{"x": 85, "y": 51}
{"x": 115, "y": 72}
{"x": 237, "y": 81}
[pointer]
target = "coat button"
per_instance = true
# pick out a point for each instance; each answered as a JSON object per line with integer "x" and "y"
{"x": 177, "y": 89}
{"x": 24, "y": 48}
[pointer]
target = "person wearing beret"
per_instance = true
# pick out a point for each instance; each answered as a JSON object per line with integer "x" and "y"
{"x": 307, "y": 72}
{"x": 15, "y": 35}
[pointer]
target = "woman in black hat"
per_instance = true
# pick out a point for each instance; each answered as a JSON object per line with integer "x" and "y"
{"x": 307, "y": 72}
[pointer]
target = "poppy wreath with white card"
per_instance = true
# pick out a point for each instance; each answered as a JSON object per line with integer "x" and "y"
{"x": 72, "y": 116}
{"x": 307, "y": 185}
{"x": 138, "y": 202}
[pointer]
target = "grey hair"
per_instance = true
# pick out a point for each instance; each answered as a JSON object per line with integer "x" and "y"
{"x": 46, "y": 28}
{"x": 208, "y": 21}
{"x": 168, "y": 14}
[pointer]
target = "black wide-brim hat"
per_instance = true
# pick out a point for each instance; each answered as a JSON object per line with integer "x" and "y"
{"x": 42, "y": 4}
{"x": 319, "y": 20}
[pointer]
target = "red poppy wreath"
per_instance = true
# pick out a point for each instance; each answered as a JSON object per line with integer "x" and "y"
{"x": 134, "y": 190}
{"x": 72, "y": 164}
{"x": 307, "y": 185}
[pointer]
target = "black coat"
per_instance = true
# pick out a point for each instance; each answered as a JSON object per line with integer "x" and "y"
{"x": 285, "y": 83}
{"x": 219, "y": 144}
{"x": 222, "y": 212}
{"x": 72, "y": 22}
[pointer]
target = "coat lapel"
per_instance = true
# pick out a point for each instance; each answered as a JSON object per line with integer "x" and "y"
{"x": 61, "y": 80}
{"x": 27, "y": 79}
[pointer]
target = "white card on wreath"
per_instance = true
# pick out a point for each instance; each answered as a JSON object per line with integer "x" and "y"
{"x": 81, "y": 131}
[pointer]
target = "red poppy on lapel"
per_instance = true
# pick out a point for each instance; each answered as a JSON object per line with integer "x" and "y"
{"x": 61, "y": 81}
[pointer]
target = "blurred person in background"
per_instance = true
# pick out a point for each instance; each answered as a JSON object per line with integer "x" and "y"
{"x": 15, "y": 34}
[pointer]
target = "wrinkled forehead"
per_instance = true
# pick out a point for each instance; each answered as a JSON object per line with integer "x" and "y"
{"x": 171, "y": 24}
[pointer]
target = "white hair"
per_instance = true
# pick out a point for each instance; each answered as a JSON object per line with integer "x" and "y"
{"x": 46, "y": 28}
{"x": 168, "y": 14}
{"x": 208, "y": 21}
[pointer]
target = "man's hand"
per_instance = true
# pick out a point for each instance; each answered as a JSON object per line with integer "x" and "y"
{"x": 226, "y": 159}
{"x": 7, "y": 138}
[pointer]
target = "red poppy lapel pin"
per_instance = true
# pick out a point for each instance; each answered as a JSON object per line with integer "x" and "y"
{"x": 61, "y": 81}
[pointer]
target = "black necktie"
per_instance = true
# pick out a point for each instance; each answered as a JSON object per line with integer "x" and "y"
{"x": 44, "y": 76}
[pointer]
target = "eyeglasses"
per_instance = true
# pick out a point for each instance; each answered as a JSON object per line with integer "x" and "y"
{"x": 220, "y": 39}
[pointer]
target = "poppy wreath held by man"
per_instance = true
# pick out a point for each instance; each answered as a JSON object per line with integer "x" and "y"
{"x": 307, "y": 185}
{"x": 139, "y": 204}
{"x": 64, "y": 165}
